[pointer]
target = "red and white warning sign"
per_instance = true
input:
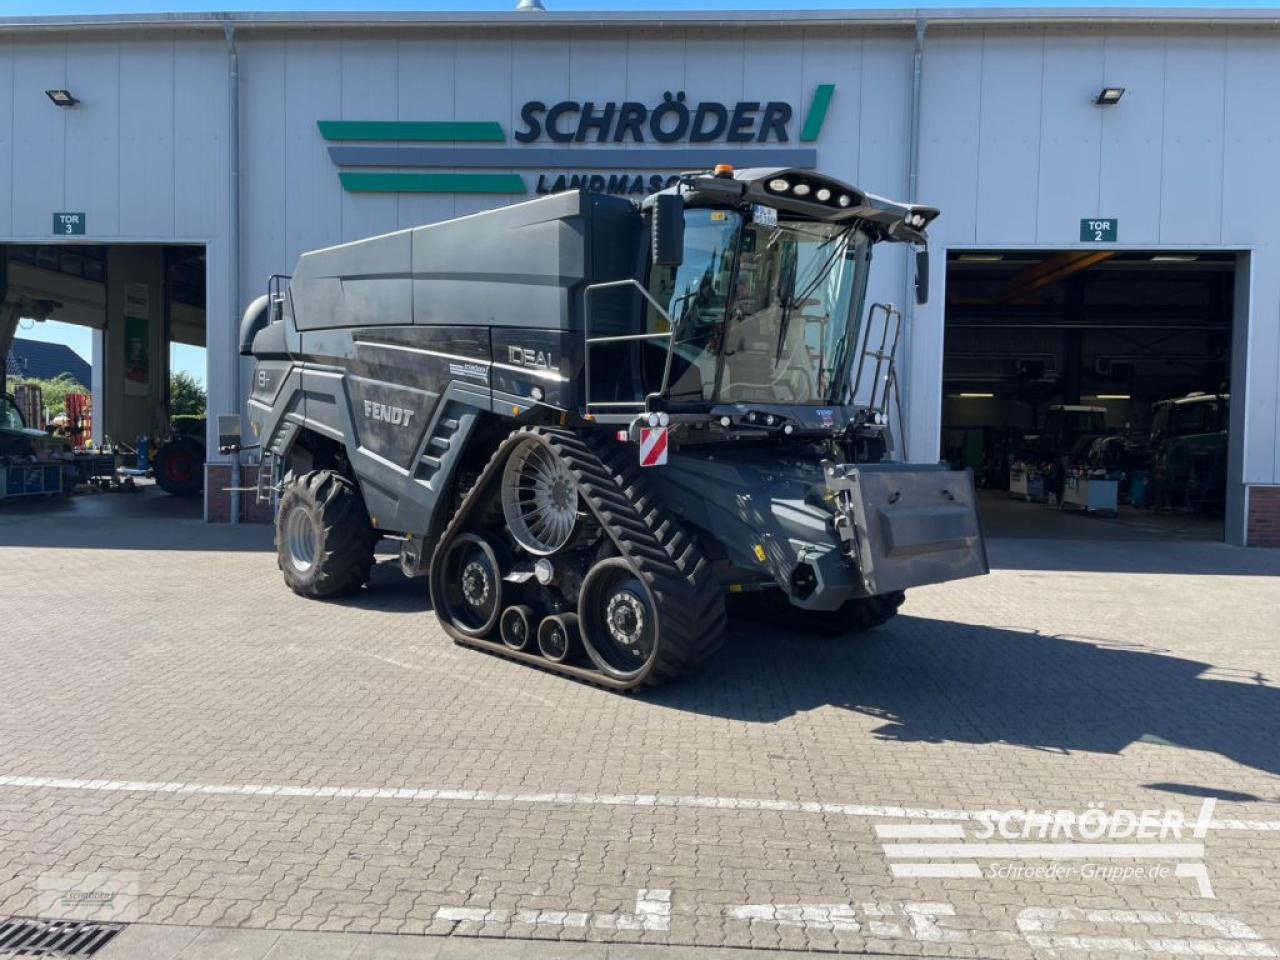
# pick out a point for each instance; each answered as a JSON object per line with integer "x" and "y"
{"x": 653, "y": 446}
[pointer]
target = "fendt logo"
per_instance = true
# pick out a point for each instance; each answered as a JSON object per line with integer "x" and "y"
{"x": 610, "y": 143}
{"x": 396, "y": 416}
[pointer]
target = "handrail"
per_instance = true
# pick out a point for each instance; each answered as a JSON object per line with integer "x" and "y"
{"x": 277, "y": 289}
{"x": 884, "y": 393}
{"x": 589, "y": 341}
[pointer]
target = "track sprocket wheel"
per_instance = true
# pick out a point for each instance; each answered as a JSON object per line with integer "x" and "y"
{"x": 539, "y": 498}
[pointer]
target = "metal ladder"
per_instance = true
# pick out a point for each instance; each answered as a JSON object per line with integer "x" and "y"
{"x": 884, "y": 379}
{"x": 267, "y": 487}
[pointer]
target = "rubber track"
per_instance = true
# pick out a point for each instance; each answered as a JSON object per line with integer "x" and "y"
{"x": 688, "y": 597}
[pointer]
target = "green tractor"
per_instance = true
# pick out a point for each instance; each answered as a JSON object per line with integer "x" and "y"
{"x": 1189, "y": 452}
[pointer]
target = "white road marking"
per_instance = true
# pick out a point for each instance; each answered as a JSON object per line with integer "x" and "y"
{"x": 945, "y": 871}
{"x": 470, "y": 914}
{"x": 1236, "y": 939}
{"x": 429, "y": 794}
{"x": 919, "y": 831}
{"x": 811, "y": 916}
{"x": 921, "y": 917}
{"x": 653, "y": 912}
{"x": 1046, "y": 851}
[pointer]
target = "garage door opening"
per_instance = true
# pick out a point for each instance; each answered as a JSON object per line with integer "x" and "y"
{"x": 125, "y": 404}
{"x": 1089, "y": 391}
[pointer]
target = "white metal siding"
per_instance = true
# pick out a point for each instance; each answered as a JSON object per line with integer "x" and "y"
{"x": 144, "y": 155}
{"x": 1016, "y": 154}
{"x": 1012, "y": 148}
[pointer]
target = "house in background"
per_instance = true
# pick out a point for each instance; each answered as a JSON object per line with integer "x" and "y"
{"x": 32, "y": 359}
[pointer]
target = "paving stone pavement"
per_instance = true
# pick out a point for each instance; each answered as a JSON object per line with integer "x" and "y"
{"x": 181, "y": 732}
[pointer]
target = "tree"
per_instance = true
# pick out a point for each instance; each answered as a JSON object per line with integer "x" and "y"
{"x": 186, "y": 396}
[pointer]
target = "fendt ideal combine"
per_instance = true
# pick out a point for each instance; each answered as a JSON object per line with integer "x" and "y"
{"x": 489, "y": 391}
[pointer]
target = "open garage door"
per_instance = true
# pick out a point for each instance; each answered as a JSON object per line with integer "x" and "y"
{"x": 1089, "y": 391}
{"x": 122, "y": 422}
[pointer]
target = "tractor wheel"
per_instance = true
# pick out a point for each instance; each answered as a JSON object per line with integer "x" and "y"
{"x": 324, "y": 541}
{"x": 466, "y": 588}
{"x": 855, "y": 616}
{"x": 619, "y": 619}
{"x": 179, "y": 468}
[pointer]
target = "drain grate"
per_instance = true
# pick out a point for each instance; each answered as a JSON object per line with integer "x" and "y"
{"x": 25, "y": 937}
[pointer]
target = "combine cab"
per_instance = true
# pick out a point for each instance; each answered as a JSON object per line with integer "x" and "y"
{"x": 588, "y": 420}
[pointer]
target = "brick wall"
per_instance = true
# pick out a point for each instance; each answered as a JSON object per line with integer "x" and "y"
{"x": 217, "y": 478}
{"x": 1264, "y": 517}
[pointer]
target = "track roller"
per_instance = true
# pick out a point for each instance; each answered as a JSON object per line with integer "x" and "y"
{"x": 619, "y": 620}
{"x": 518, "y": 627}
{"x": 469, "y": 597}
{"x": 558, "y": 638}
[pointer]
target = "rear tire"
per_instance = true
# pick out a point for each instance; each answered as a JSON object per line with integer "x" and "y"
{"x": 324, "y": 541}
{"x": 179, "y": 468}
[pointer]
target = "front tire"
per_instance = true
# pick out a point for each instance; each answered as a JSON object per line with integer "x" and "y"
{"x": 324, "y": 541}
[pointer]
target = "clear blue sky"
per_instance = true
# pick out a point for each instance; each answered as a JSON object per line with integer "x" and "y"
{"x": 80, "y": 339}
{"x": 55, "y": 7}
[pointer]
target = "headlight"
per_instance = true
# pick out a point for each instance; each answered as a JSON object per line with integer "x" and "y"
{"x": 801, "y": 190}
{"x": 823, "y": 194}
{"x": 778, "y": 185}
{"x": 844, "y": 200}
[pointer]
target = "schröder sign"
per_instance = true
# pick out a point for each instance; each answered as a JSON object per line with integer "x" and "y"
{"x": 618, "y": 145}
{"x": 669, "y": 122}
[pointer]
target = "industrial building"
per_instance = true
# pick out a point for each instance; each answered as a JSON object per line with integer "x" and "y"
{"x": 1105, "y": 181}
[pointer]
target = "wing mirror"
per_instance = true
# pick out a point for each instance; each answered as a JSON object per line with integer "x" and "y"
{"x": 668, "y": 230}
{"x": 922, "y": 275}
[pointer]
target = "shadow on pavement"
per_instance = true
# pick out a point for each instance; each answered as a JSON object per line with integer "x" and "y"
{"x": 143, "y": 519}
{"x": 389, "y": 591}
{"x": 1191, "y": 790}
{"x": 934, "y": 681}
{"x": 1097, "y": 556}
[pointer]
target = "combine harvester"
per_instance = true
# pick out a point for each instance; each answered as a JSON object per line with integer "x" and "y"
{"x": 488, "y": 391}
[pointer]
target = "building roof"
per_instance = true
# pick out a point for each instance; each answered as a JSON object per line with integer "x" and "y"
{"x": 48, "y": 361}
{"x": 851, "y": 17}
